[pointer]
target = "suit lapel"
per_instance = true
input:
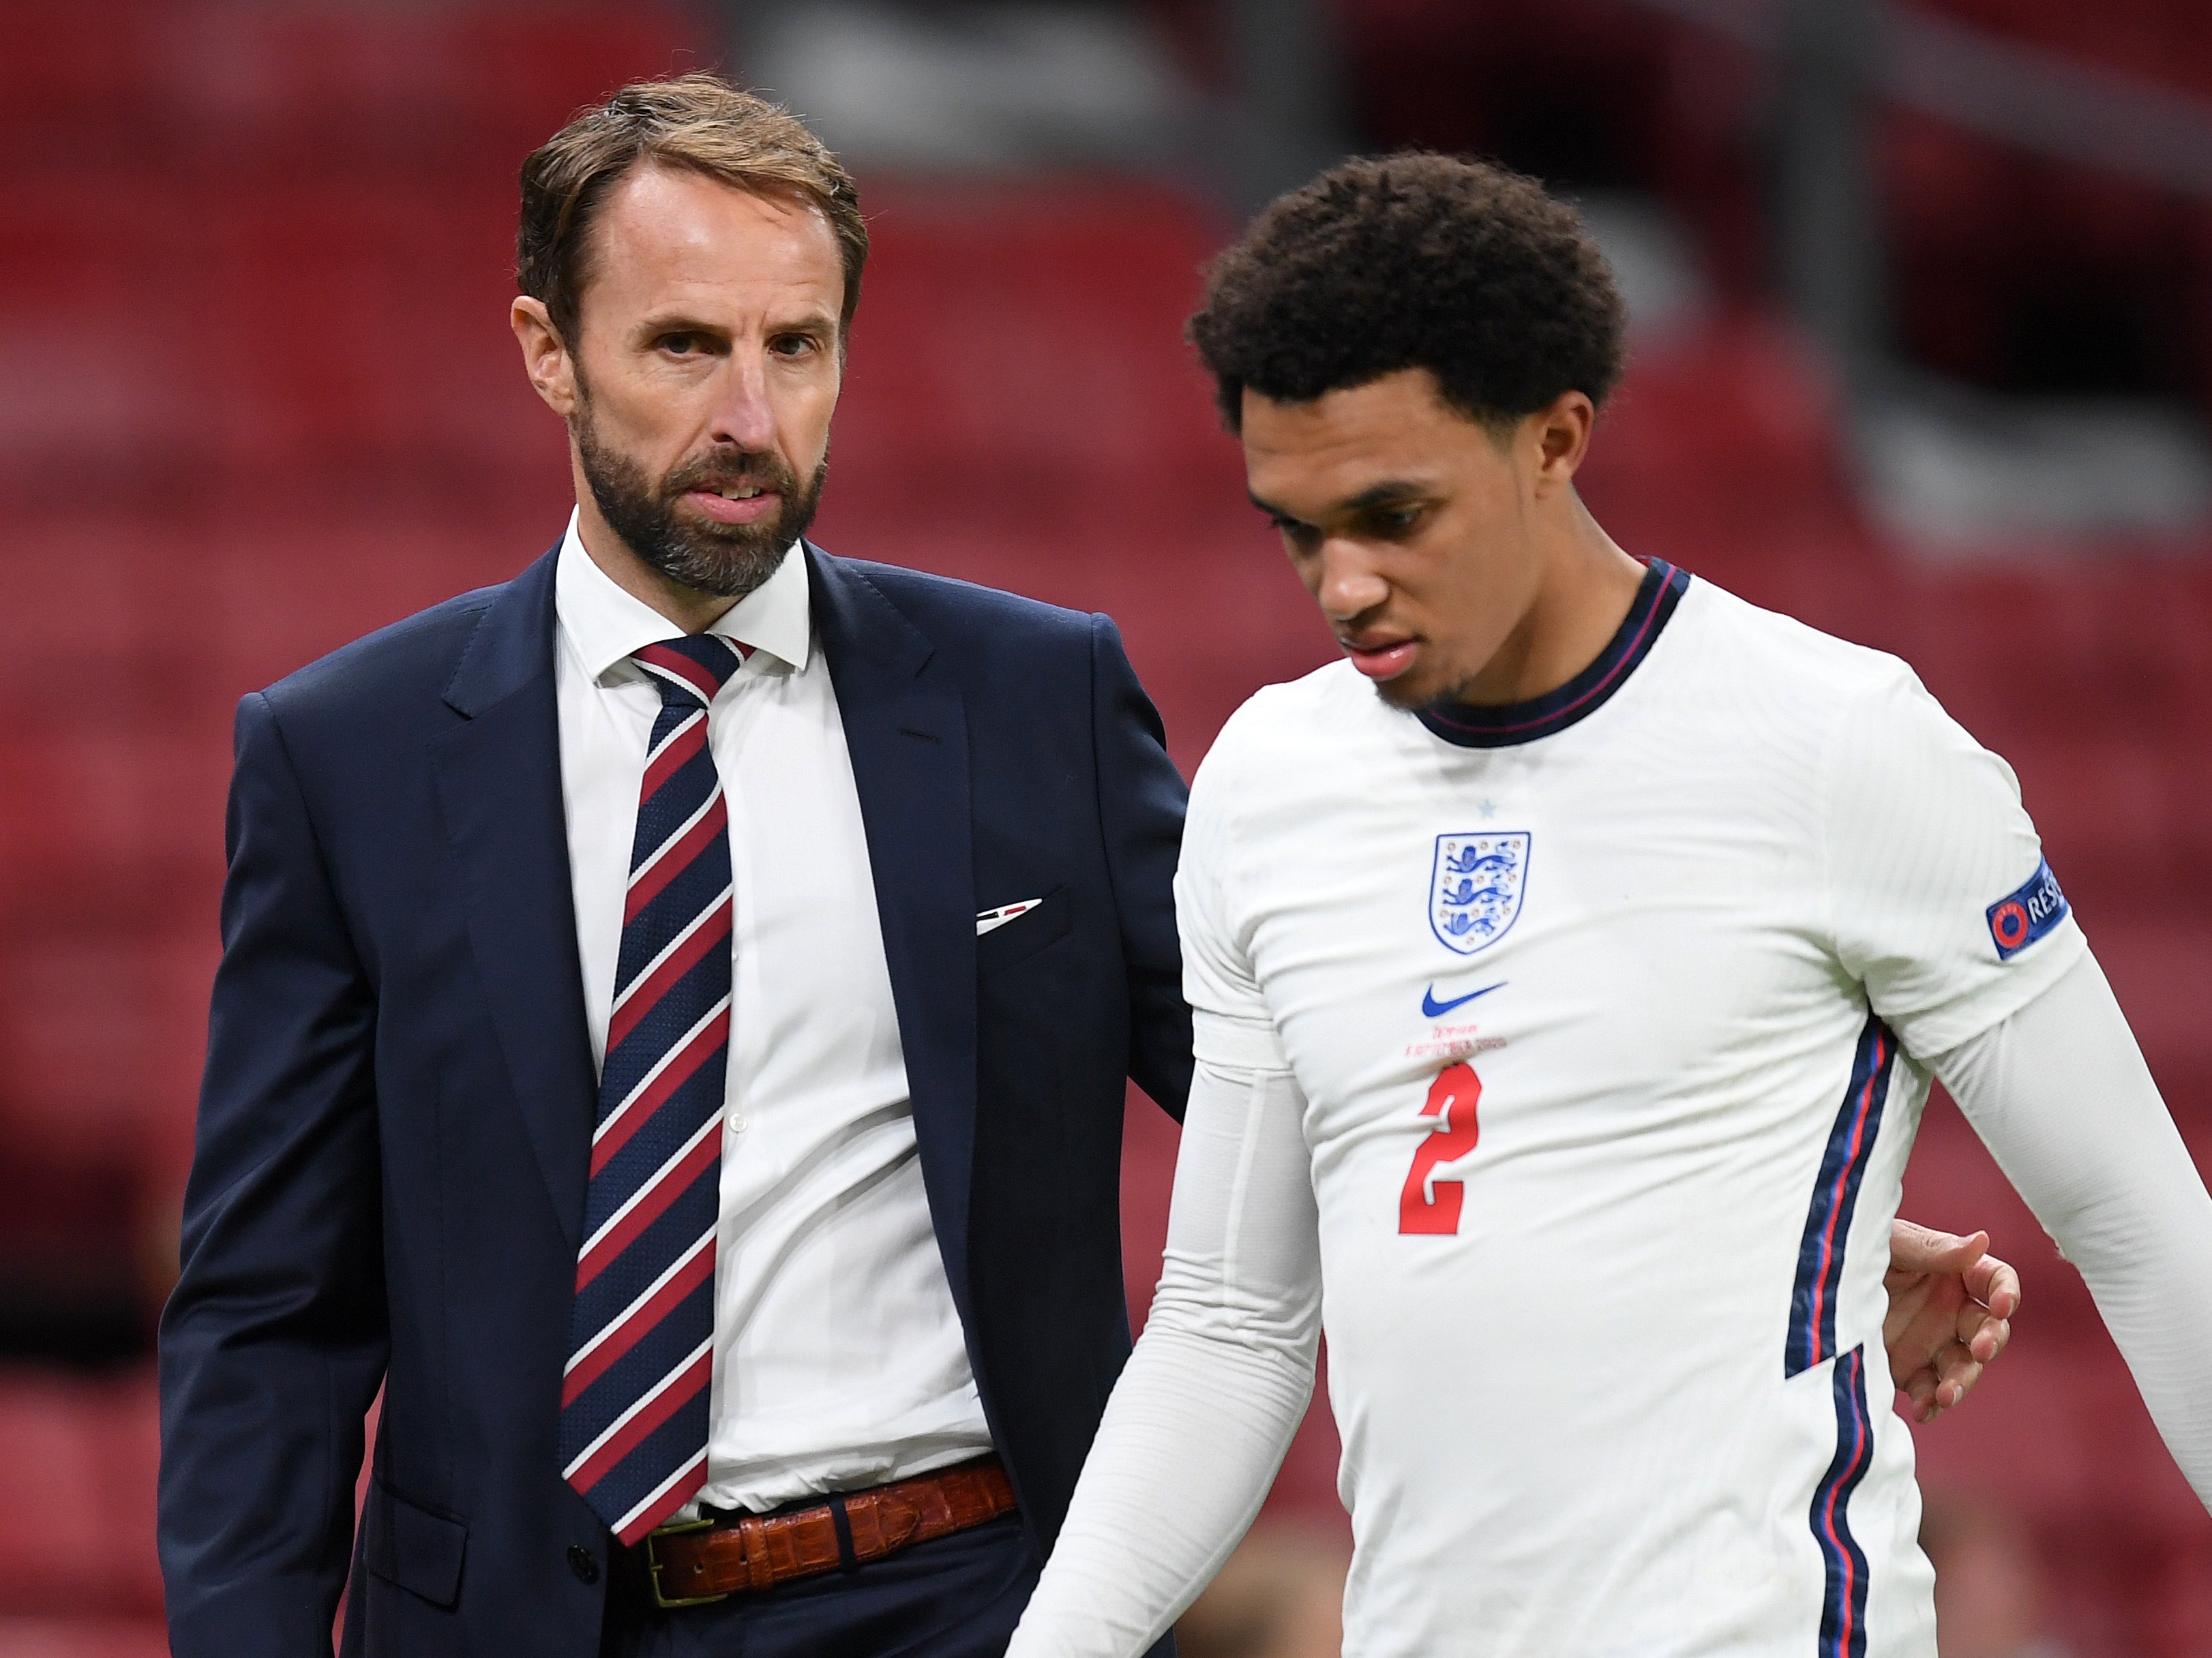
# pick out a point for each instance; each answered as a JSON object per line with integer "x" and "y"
{"x": 499, "y": 788}
{"x": 905, "y": 728}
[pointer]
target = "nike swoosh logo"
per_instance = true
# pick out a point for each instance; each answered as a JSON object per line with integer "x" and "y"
{"x": 1431, "y": 1008}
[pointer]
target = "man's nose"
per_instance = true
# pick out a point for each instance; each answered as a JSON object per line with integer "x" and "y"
{"x": 1349, "y": 586}
{"x": 743, "y": 416}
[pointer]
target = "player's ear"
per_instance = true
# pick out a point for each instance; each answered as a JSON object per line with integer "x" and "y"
{"x": 545, "y": 355}
{"x": 1561, "y": 434}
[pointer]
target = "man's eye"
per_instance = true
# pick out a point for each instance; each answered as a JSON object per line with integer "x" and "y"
{"x": 681, "y": 344}
{"x": 792, "y": 345}
{"x": 1396, "y": 520}
{"x": 1301, "y": 538}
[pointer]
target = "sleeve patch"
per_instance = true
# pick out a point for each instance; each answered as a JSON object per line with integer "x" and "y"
{"x": 2018, "y": 920}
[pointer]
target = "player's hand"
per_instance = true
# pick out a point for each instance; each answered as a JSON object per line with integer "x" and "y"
{"x": 1951, "y": 1304}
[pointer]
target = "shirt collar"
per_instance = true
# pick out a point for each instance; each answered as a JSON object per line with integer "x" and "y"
{"x": 607, "y": 625}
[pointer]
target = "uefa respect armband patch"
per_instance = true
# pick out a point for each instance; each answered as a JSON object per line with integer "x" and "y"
{"x": 2019, "y": 919}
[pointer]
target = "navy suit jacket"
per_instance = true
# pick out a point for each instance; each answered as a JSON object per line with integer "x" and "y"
{"x": 389, "y": 1175}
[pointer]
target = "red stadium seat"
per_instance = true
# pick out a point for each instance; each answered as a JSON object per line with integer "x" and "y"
{"x": 2163, "y": 41}
{"x": 1057, "y": 353}
{"x": 84, "y": 1637}
{"x": 78, "y": 1465}
{"x": 103, "y": 1037}
{"x": 210, "y": 73}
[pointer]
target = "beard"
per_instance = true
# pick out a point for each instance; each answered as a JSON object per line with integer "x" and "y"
{"x": 1422, "y": 695}
{"x": 726, "y": 560}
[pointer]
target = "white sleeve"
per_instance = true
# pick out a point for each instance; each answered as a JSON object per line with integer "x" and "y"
{"x": 1216, "y": 963}
{"x": 2059, "y": 1093}
{"x": 1939, "y": 901}
{"x": 1218, "y": 1385}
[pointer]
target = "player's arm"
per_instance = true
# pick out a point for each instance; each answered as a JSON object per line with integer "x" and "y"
{"x": 2061, "y": 1096}
{"x": 275, "y": 1339}
{"x": 1941, "y": 904}
{"x": 1220, "y": 1378}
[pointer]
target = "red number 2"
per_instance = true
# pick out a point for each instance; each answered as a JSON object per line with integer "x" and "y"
{"x": 1452, "y": 1100}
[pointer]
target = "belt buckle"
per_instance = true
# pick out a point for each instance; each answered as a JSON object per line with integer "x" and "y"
{"x": 674, "y": 1528}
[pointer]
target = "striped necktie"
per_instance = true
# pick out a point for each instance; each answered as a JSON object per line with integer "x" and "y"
{"x": 633, "y": 1397}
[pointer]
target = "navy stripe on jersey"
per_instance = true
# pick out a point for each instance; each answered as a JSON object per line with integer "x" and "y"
{"x": 1844, "y": 1562}
{"x": 1835, "y": 1195}
{"x": 1470, "y": 726}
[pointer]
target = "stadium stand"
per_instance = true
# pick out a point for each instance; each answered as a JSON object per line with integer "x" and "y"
{"x": 251, "y": 297}
{"x": 2012, "y": 268}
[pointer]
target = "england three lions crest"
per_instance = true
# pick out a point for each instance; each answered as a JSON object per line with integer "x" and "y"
{"x": 1475, "y": 887}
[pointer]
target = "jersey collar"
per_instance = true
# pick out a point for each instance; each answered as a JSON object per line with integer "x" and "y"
{"x": 1502, "y": 725}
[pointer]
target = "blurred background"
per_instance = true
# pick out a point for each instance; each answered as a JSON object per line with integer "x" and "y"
{"x": 1922, "y": 354}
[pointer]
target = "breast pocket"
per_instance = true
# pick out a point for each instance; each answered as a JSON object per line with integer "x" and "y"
{"x": 1021, "y": 936}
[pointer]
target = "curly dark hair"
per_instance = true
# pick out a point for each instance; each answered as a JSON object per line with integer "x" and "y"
{"x": 1413, "y": 261}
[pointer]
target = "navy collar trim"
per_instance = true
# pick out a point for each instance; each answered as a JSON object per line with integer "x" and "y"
{"x": 1472, "y": 726}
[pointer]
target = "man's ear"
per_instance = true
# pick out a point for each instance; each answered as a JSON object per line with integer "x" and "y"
{"x": 545, "y": 356}
{"x": 1560, "y": 435}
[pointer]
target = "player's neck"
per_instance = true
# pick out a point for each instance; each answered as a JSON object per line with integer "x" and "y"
{"x": 1585, "y": 589}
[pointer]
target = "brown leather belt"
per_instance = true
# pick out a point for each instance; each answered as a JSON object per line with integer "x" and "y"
{"x": 692, "y": 1563}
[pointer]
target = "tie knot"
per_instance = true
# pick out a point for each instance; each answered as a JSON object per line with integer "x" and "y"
{"x": 691, "y": 669}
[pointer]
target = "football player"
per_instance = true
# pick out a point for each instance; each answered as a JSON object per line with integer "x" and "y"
{"x": 1584, "y": 926}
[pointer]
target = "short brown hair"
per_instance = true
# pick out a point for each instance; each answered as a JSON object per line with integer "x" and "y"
{"x": 1414, "y": 261}
{"x": 698, "y": 122}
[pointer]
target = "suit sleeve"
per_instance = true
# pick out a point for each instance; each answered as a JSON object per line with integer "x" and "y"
{"x": 274, "y": 1342}
{"x": 1141, "y": 806}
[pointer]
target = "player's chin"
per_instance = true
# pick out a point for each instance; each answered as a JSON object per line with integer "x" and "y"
{"x": 1413, "y": 690}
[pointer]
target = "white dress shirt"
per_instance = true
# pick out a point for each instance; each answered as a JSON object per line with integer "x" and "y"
{"x": 839, "y": 1361}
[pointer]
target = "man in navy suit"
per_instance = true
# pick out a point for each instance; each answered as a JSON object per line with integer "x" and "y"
{"x": 673, "y": 1022}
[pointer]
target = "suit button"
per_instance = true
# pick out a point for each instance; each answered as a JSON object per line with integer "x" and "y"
{"x": 584, "y": 1563}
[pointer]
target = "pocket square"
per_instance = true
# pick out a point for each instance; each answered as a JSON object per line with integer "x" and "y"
{"x": 990, "y": 920}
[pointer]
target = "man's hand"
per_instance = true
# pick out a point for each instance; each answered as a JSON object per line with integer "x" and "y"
{"x": 1951, "y": 1304}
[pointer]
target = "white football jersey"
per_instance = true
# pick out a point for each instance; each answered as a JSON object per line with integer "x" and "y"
{"x": 1613, "y": 1012}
